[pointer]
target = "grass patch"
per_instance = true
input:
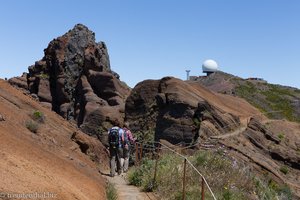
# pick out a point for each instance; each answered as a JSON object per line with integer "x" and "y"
{"x": 111, "y": 192}
{"x": 279, "y": 102}
{"x": 222, "y": 174}
{"x": 38, "y": 116}
{"x": 246, "y": 90}
{"x": 43, "y": 76}
{"x": 281, "y": 136}
{"x": 270, "y": 98}
{"x": 32, "y": 126}
{"x": 284, "y": 169}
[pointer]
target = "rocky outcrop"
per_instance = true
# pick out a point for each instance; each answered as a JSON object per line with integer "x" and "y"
{"x": 267, "y": 141}
{"x": 91, "y": 147}
{"x": 270, "y": 146}
{"x": 74, "y": 79}
{"x": 2, "y": 118}
{"x": 175, "y": 110}
{"x": 20, "y": 82}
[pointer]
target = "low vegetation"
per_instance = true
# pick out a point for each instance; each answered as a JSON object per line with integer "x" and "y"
{"x": 111, "y": 192}
{"x": 281, "y": 136}
{"x": 228, "y": 179}
{"x": 37, "y": 117}
{"x": 32, "y": 126}
{"x": 274, "y": 100}
{"x": 284, "y": 169}
{"x": 43, "y": 76}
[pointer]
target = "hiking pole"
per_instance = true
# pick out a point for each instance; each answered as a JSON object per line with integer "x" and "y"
{"x": 184, "y": 180}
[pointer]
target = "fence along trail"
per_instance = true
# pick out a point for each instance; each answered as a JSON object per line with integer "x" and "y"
{"x": 156, "y": 148}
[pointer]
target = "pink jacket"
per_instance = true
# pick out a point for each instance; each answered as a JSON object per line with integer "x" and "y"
{"x": 130, "y": 137}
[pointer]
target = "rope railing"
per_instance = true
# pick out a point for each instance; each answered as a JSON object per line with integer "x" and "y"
{"x": 156, "y": 148}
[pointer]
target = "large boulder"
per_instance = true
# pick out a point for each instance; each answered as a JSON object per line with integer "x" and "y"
{"x": 75, "y": 80}
{"x": 20, "y": 82}
{"x": 175, "y": 110}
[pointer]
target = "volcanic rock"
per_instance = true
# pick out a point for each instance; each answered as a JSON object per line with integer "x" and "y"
{"x": 1, "y": 118}
{"x": 264, "y": 139}
{"x": 75, "y": 80}
{"x": 20, "y": 82}
{"x": 175, "y": 110}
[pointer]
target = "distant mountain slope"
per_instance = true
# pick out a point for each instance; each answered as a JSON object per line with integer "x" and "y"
{"x": 56, "y": 159}
{"x": 275, "y": 101}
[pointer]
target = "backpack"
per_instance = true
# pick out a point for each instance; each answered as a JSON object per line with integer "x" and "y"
{"x": 113, "y": 137}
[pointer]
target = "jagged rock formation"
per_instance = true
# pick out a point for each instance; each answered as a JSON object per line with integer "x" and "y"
{"x": 174, "y": 109}
{"x": 74, "y": 79}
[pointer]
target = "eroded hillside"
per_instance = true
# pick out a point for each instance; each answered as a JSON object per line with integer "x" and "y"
{"x": 56, "y": 159}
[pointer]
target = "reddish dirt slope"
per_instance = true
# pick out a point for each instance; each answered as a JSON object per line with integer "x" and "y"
{"x": 46, "y": 161}
{"x": 227, "y": 103}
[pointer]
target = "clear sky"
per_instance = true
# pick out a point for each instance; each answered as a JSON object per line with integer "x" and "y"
{"x": 150, "y": 39}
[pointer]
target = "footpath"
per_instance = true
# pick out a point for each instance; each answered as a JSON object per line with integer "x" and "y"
{"x": 126, "y": 191}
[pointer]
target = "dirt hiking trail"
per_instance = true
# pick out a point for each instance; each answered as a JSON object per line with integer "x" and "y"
{"x": 126, "y": 191}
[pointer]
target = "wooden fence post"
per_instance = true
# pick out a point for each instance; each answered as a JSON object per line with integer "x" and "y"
{"x": 155, "y": 168}
{"x": 184, "y": 180}
{"x": 136, "y": 154}
{"x": 202, "y": 191}
{"x": 141, "y": 152}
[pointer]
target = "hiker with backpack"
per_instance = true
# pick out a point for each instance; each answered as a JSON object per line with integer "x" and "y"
{"x": 128, "y": 142}
{"x": 116, "y": 143}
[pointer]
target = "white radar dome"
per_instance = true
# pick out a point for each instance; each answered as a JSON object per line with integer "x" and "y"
{"x": 210, "y": 66}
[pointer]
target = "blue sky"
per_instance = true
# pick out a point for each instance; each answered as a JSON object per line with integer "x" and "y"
{"x": 150, "y": 39}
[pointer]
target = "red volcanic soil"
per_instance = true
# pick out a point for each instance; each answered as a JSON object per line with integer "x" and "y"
{"x": 46, "y": 161}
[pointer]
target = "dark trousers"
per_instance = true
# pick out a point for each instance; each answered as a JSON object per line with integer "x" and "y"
{"x": 115, "y": 160}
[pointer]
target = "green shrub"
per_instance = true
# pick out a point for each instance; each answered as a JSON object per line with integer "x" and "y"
{"x": 142, "y": 176}
{"x": 43, "y": 76}
{"x": 227, "y": 195}
{"x": 197, "y": 122}
{"x": 284, "y": 169}
{"x": 222, "y": 174}
{"x": 263, "y": 190}
{"x": 281, "y": 136}
{"x": 38, "y": 116}
{"x": 135, "y": 177}
{"x": 145, "y": 136}
{"x": 285, "y": 192}
{"x": 32, "y": 126}
{"x": 273, "y": 185}
{"x": 111, "y": 192}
